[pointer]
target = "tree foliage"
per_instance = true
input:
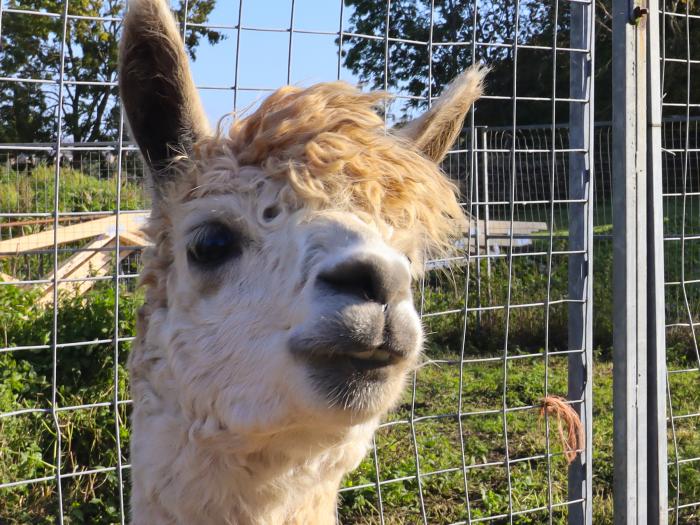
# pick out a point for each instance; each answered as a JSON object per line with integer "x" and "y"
{"x": 494, "y": 26}
{"x": 680, "y": 41}
{"x": 33, "y": 47}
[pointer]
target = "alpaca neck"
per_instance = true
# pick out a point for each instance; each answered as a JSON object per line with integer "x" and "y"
{"x": 283, "y": 482}
{"x": 188, "y": 469}
{"x": 288, "y": 478}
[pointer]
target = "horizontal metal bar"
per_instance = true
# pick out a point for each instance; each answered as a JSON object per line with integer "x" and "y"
{"x": 74, "y": 408}
{"x": 501, "y": 358}
{"x": 683, "y": 416}
{"x": 685, "y": 506}
{"x": 684, "y": 370}
{"x": 683, "y": 461}
{"x": 515, "y": 306}
{"x": 517, "y": 513}
{"x": 62, "y": 476}
{"x": 126, "y": 339}
{"x": 689, "y": 16}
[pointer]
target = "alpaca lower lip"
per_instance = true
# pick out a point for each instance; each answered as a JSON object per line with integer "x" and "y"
{"x": 360, "y": 361}
{"x": 372, "y": 359}
{"x": 347, "y": 362}
{"x": 343, "y": 353}
{"x": 362, "y": 365}
{"x": 378, "y": 355}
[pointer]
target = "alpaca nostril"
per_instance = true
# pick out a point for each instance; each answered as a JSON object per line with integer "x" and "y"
{"x": 369, "y": 278}
{"x": 353, "y": 278}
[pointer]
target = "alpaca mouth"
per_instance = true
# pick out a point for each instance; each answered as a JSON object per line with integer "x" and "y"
{"x": 356, "y": 353}
{"x": 349, "y": 351}
{"x": 352, "y": 375}
{"x": 372, "y": 359}
{"x": 351, "y": 360}
{"x": 354, "y": 380}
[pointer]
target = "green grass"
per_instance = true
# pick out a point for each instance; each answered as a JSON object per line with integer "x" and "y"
{"x": 85, "y": 375}
{"x": 439, "y": 445}
{"x": 443, "y": 444}
{"x": 33, "y": 192}
{"x": 439, "y": 448}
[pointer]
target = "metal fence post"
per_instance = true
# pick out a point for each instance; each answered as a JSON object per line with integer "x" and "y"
{"x": 629, "y": 264}
{"x": 475, "y": 194}
{"x": 580, "y": 265}
{"x": 657, "y": 500}
{"x": 485, "y": 175}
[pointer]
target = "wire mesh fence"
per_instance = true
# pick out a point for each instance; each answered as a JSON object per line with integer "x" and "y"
{"x": 509, "y": 319}
{"x": 681, "y": 193}
{"x": 508, "y": 327}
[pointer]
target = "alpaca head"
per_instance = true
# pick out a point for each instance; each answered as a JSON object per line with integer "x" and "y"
{"x": 279, "y": 288}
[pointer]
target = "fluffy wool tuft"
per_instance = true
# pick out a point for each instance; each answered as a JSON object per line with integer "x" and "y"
{"x": 331, "y": 148}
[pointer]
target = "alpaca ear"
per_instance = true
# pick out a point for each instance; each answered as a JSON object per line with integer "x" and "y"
{"x": 435, "y": 131}
{"x": 162, "y": 105}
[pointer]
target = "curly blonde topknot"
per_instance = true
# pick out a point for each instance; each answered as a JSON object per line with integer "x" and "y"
{"x": 330, "y": 145}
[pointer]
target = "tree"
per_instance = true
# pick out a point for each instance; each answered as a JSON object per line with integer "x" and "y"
{"x": 676, "y": 45}
{"x": 31, "y": 49}
{"x": 459, "y": 21}
{"x": 494, "y": 27}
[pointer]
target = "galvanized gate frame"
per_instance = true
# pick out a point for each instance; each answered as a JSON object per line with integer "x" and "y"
{"x": 639, "y": 366}
{"x": 581, "y": 131}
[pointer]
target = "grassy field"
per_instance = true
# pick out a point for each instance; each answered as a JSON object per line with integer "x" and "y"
{"x": 435, "y": 438}
{"x": 438, "y": 447}
{"x": 27, "y": 442}
{"x": 85, "y": 375}
{"x": 33, "y": 192}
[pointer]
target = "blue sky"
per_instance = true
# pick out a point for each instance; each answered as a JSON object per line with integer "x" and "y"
{"x": 263, "y": 55}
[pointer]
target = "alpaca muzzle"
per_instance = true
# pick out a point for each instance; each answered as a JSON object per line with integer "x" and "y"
{"x": 367, "y": 317}
{"x": 364, "y": 334}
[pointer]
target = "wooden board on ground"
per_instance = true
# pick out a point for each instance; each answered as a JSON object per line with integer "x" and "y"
{"x": 500, "y": 228}
{"x": 102, "y": 264}
{"x": 74, "y": 263}
{"x": 96, "y": 260}
{"x": 128, "y": 223}
{"x": 7, "y": 278}
{"x": 134, "y": 238}
{"x": 498, "y": 237}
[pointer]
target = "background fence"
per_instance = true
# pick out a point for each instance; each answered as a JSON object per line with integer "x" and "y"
{"x": 680, "y": 182}
{"x": 510, "y": 321}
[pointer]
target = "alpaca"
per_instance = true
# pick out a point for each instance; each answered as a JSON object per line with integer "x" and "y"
{"x": 279, "y": 325}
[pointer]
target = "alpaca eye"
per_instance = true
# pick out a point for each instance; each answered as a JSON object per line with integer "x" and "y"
{"x": 271, "y": 212}
{"x": 214, "y": 244}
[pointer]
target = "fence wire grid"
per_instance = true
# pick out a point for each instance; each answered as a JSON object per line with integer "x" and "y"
{"x": 681, "y": 246}
{"x": 510, "y": 320}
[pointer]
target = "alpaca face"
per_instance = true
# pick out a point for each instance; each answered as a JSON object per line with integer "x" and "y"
{"x": 274, "y": 312}
{"x": 279, "y": 288}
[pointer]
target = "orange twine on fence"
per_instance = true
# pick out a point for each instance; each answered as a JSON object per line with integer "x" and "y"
{"x": 574, "y": 439}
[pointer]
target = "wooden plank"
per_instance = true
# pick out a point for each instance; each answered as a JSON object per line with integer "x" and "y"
{"x": 7, "y": 278}
{"x": 79, "y": 258}
{"x": 90, "y": 262}
{"x": 34, "y": 222}
{"x": 461, "y": 244}
{"x": 134, "y": 239}
{"x": 128, "y": 222}
{"x": 73, "y": 264}
{"x": 503, "y": 227}
{"x": 96, "y": 264}
{"x": 106, "y": 267}
{"x": 503, "y": 241}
